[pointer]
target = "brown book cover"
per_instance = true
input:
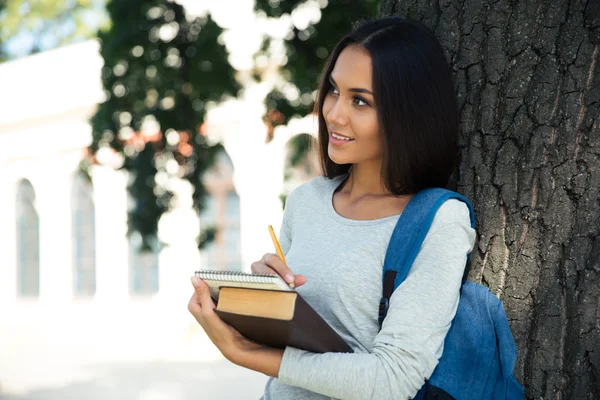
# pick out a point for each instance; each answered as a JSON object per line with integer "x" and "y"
{"x": 278, "y": 319}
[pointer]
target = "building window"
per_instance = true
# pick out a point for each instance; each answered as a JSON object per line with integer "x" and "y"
{"x": 28, "y": 242}
{"x": 222, "y": 211}
{"x": 231, "y": 232}
{"x": 143, "y": 271}
{"x": 84, "y": 238}
{"x": 209, "y": 218}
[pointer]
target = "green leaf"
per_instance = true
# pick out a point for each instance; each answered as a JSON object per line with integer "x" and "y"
{"x": 160, "y": 68}
{"x": 308, "y": 49}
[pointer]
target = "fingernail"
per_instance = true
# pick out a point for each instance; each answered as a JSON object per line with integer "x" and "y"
{"x": 195, "y": 281}
{"x": 289, "y": 278}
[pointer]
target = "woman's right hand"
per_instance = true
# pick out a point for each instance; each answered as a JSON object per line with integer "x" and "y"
{"x": 271, "y": 264}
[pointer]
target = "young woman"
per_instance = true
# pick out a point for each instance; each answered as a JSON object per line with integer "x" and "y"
{"x": 387, "y": 129}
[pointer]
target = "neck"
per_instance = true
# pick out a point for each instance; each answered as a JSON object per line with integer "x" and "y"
{"x": 365, "y": 180}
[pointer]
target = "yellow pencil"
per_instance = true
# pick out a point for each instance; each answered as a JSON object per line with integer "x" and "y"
{"x": 278, "y": 249}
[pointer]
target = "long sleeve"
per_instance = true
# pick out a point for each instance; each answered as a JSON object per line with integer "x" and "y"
{"x": 407, "y": 349}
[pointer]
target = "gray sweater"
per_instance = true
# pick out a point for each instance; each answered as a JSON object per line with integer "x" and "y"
{"x": 342, "y": 260}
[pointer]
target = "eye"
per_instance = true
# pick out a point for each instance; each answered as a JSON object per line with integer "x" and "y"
{"x": 333, "y": 90}
{"x": 359, "y": 101}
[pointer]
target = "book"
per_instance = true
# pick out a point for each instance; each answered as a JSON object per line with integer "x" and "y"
{"x": 216, "y": 279}
{"x": 267, "y": 312}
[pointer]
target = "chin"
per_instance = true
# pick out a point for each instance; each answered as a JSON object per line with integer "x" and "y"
{"x": 339, "y": 157}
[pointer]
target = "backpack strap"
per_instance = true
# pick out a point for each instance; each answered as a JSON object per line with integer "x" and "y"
{"x": 408, "y": 236}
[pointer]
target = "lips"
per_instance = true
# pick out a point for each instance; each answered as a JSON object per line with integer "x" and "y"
{"x": 337, "y": 140}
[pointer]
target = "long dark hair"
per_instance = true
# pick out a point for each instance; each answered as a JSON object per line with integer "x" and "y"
{"x": 415, "y": 102}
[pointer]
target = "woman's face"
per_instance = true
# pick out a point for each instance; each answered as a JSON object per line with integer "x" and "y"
{"x": 349, "y": 110}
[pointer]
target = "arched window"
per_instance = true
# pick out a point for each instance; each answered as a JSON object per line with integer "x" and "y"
{"x": 208, "y": 220}
{"x": 84, "y": 237}
{"x": 222, "y": 211}
{"x": 28, "y": 241}
{"x": 143, "y": 266}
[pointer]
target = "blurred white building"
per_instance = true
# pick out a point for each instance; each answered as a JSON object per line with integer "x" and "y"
{"x": 73, "y": 288}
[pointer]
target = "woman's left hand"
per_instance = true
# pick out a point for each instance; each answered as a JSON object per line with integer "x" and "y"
{"x": 235, "y": 347}
{"x": 229, "y": 341}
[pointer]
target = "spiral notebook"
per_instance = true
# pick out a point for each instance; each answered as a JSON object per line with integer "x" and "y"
{"x": 216, "y": 280}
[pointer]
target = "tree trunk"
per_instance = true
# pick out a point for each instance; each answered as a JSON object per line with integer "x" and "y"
{"x": 528, "y": 84}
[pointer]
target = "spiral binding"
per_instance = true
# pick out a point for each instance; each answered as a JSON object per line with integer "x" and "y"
{"x": 231, "y": 276}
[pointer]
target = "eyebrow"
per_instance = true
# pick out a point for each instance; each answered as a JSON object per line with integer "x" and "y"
{"x": 355, "y": 90}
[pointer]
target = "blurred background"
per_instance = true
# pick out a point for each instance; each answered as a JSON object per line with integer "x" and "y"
{"x": 143, "y": 140}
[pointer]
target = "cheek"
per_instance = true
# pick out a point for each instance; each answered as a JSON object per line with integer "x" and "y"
{"x": 327, "y": 105}
{"x": 367, "y": 127}
{"x": 371, "y": 139}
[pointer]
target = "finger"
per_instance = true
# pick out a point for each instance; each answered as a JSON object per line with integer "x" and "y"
{"x": 299, "y": 280}
{"x": 202, "y": 294}
{"x": 195, "y": 309}
{"x": 277, "y": 264}
{"x": 210, "y": 321}
{"x": 261, "y": 268}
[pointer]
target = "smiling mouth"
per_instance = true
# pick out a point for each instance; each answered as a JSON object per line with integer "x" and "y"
{"x": 340, "y": 137}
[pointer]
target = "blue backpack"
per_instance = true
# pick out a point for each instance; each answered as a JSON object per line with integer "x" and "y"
{"x": 479, "y": 354}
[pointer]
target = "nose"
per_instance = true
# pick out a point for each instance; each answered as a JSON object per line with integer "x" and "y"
{"x": 337, "y": 114}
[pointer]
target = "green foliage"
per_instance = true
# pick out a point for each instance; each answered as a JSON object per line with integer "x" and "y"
{"x": 207, "y": 235}
{"x": 301, "y": 163}
{"x": 307, "y": 49}
{"x": 298, "y": 147}
{"x": 283, "y": 199}
{"x": 160, "y": 70}
{"x": 2, "y": 6}
{"x": 163, "y": 68}
{"x": 50, "y": 23}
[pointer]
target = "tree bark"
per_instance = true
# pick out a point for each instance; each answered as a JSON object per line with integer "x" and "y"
{"x": 527, "y": 75}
